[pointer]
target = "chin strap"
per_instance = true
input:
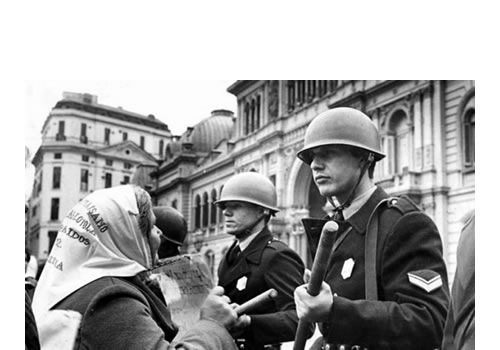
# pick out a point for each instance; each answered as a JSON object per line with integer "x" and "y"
{"x": 248, "y": 231}
{"x": 349, "y": 199}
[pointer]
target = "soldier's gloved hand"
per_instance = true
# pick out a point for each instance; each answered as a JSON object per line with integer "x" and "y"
{"x": 217, "y": 308}
{"x": 313, "y": 309}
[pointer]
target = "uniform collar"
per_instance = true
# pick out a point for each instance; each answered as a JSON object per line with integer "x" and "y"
{"x": 358, "y": 202}
{"x": 252, "y": 254}
{"x": 256, "y": 247}
{"x": 359, "y": 219}
{"x": 244, "y": 243}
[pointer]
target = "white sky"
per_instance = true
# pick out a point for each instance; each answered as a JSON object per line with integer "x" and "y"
{"x": 178, "y": 103}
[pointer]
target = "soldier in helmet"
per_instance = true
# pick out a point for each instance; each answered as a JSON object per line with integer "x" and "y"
{"x": 256, "y": 262}
{"x": 174, "y": 228}
{"x": 386, "y": 285}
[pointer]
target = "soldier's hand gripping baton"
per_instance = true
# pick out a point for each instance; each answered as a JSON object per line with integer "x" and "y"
{"x": 318, "y": 272}
{"x": 256, "y": 301}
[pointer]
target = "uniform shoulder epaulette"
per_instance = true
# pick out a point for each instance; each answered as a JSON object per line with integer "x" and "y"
{"x": 403, "y": 204}
{"x": 275, "y": 243}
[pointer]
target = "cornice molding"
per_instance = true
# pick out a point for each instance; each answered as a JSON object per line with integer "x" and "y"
{"x": 172, "y": 184}
{"x": 110, "y": 113}
{"x": 240, "y": 85}
{"x": 166, "y": 166}
{"x": 355, "y": 100}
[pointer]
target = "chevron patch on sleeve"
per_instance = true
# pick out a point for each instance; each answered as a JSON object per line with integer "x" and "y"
{"x": 428, "y": 280}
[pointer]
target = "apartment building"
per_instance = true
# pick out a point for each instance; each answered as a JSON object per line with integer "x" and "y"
{"x": 86, "y": 146}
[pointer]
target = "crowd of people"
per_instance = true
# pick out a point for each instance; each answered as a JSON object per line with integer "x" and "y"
{"x": 385, "y": 286}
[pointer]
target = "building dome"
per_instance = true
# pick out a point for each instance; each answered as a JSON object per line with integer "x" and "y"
{"x": 206, "y": 135}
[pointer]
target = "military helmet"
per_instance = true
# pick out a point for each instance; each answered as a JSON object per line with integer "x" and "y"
{"x": 341, "y": 126}
{"x": 250, "y": 187}
{"x": 171, "y": 223}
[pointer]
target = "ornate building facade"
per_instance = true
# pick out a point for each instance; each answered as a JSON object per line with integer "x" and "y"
{"x": 427, "y": 130}
{"x": 86, "y": 146}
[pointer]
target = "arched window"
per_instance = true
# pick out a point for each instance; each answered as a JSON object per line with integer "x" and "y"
{"x": 252, "y": 117}
{"x": 174, "y": 204}
{"x": 301, "y": 92}
{"x": 469, "y": 134}
{"x": 197, "y": 212}
{"x": 322, "y": 88}
{"x": 205, "y": 210}
{"x": 160, "y": 148}
{"x": 247, "y": 118}
{"x": 398, "y": 143}
{"x": 311, "y": 90}
{"x": 257, "y": 113}
{"x": 469, "y": 138}
{"x": 213, "y": 212}
{"x": 291, "y": 95}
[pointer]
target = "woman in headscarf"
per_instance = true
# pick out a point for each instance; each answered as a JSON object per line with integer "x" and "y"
{"x": 105, "y": 241}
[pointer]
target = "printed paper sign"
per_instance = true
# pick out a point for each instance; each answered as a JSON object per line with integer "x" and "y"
{"x": 185, "y": 282}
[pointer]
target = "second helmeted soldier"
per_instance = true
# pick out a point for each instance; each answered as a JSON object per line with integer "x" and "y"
{"x": 257, "y": 261}
{"x": 173, "y": 226}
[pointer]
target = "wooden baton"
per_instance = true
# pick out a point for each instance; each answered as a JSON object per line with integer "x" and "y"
{"x": 318, "y": 272}
{"x": 256, "y": 301}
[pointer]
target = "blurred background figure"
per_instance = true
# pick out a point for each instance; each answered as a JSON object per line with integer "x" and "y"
{"x": 174, "y": 230}
{"x": 30, "y": 267}
{"x": 31, "y": 341}
{"x": 459, "y": 332}
{"x": 29, "y": 277}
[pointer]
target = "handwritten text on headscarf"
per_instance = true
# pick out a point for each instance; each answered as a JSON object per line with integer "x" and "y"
{"x": 85, "y": 224}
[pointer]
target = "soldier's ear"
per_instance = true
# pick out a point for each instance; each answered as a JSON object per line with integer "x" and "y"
{"x": 264, "y": 212}
{"x": 366, "y": 159}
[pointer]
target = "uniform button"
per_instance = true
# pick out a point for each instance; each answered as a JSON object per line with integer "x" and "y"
{"x": 327, "y": 347}
{"x": 342, "y": 347}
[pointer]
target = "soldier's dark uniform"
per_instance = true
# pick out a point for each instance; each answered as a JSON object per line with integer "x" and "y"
{"x": 265, "y": 263}
{"x": 412, "y": 302}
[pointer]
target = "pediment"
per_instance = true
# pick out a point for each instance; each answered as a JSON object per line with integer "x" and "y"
{"x": 128, "y": 150}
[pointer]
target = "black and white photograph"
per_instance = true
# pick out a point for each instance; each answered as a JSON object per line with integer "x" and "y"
{"x": 170, "y": 204}
{"x": 116, "y": 195}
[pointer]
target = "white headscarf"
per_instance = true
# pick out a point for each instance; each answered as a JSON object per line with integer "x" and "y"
{"x": 101, "y": 236}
